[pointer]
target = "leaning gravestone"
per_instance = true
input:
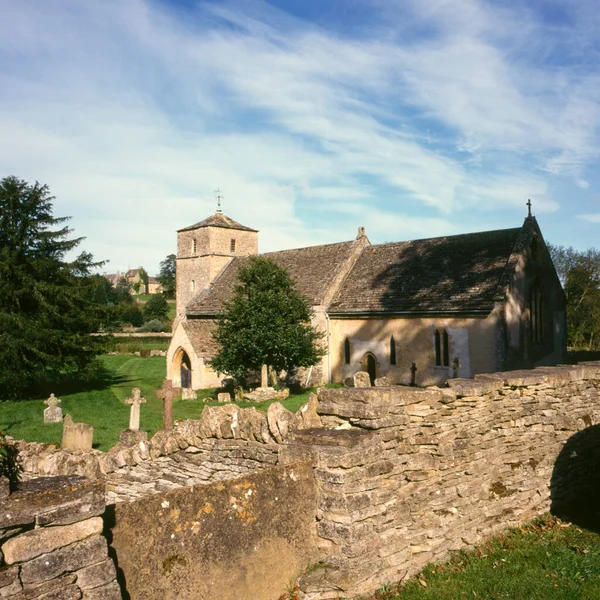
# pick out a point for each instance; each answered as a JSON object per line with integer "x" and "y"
{"x": 53, "y": 414}
{"x": 362, "y": 379}
{"x": 76, "y": 436}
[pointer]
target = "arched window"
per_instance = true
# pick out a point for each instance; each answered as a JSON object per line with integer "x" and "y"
{"x": 347, "y": 351}
{"x": 442, "y": 348}
{"x": 392, "y": 350}
{"x": 536, "y": 307}
{"x": 192, "y": 285}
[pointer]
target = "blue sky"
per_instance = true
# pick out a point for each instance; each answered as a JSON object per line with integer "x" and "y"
{"x": 314, "y": 117}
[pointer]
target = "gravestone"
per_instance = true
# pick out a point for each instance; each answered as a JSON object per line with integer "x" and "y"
{"x": 382, "y": 382}
{"x": 362, "y": 379}
{"x": 133, "y": 435}
{"x": 76, "y": 436}
{"x": 166, "y": 392}
{"x": 188, "y": 394}
{"x": 413, "y": 374}
{"x": 224, "y": 397}
{"x": 456, "y": 365}
{"x": 53, "y": 414}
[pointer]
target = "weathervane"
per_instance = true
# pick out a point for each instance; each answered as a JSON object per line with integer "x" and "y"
{"x": 219, "y": 198}
{"x": 529, "y": 207}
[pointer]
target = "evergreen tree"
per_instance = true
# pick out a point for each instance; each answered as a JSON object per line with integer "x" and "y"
{"x": 157, "y": 307}
{"x": 48, "y": 305}
{"x": 267, "y": 322}
{"x": 166, "y": 275}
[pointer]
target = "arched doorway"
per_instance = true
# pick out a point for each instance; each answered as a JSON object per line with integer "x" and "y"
{"x": 369, "y": 364}
{"x": 182, "y": 369}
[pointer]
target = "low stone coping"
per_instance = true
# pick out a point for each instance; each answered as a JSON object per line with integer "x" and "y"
{"x": 57, "y": 500}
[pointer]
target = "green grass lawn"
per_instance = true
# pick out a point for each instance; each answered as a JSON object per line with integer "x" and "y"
{"x": 102, "y": 405}
{"x": 545, "y": 560}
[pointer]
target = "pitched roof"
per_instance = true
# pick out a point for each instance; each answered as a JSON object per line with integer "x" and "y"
{"x": 312, "y": 269}
{"x": 199, "y": 332}
{"x": 218, "y": 220}
{"x": 459, "y": 273}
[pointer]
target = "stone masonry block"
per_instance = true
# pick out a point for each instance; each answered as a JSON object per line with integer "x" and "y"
{"x": 112, "y": 591}
{"x": 58, "y": 500}
{"x": 71, "y": 558}
{"x": 9, "y": 582}
{"x": 96, "y": 575}
{"x": 46, "y": 539}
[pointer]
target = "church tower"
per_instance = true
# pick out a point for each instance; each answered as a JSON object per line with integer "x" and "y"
{"x": 205, "y": 249}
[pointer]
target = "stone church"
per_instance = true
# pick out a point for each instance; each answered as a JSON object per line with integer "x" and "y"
{"x": 423, "y": 310}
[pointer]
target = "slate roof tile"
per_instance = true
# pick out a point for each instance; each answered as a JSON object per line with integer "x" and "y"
{"x": 312, "y": 269}
{"x": 458, "y": 273}
{"x": 199, "y": 332}
{"x": 218, "y": 220}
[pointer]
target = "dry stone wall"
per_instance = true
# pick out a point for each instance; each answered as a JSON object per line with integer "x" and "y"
{"x": 413, "y": 473}
{"x": 51, "y": 542}
{"x": 399, "y": 475}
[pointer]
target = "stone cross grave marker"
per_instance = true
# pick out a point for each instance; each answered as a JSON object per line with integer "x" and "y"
{"x": 166, "y": 392}
{"x": 134, "y": 414}
{"x": 53, "y": 414}
{"x": 413, "y": 374}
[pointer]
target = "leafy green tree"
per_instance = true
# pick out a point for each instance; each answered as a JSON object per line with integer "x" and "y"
{"x": 122, "y": 293}
{"x": 266, "y": 321}
{"x": 167, "y": 274}
{"x": 157, "y": 307}
{"x": 48, "y": 305}
{"x": 579, "y": 272}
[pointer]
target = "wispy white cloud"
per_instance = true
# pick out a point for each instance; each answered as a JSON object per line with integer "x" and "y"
{"x": 134, "y": 112}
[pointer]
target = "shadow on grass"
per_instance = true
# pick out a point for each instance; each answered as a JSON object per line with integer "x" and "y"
{"x": 102, "y": 379}
{"x": 575, "y": 485}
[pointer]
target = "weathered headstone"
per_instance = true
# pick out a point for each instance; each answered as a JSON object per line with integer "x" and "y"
{"x": 456, "y": 367}
{"x": 188, "y": 394}
{"x": 224, "y": 397}
{"x": 413, "y": 374}
{"x": 362, "y": 379}
{"x": 77, "y": 436}
{"x": 53, "y": 414}
{"x": 166, "y": 392}
{"x": 382, "y": 382}
{"x": 264, "y": 376}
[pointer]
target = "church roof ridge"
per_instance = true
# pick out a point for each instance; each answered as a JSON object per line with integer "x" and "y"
{"x": 218, "y": 219}
{"x": 451, "y": 237}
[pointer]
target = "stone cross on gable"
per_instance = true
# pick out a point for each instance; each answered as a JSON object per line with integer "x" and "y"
{"x": 529, "y": 208}
{"x": 134, "y": 414}
{"x": 166, "y": 392}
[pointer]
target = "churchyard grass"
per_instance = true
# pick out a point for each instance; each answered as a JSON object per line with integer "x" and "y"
{"x": 545, "y": 560}
{"x": 101, "y": 403}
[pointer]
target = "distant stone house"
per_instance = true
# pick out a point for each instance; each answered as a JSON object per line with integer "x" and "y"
{"x": 452, "y": 306}
{"x": 134, "y": 277}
